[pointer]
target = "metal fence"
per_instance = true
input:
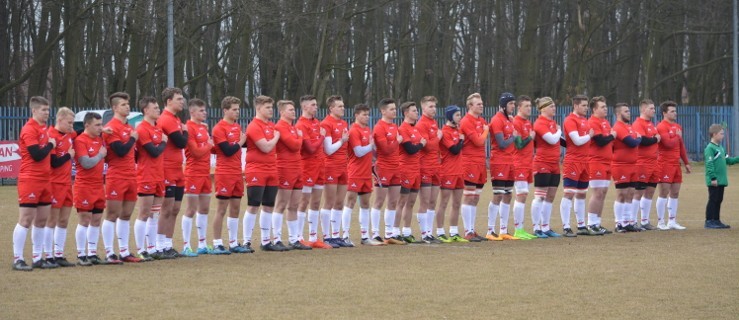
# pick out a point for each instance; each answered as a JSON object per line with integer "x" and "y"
{"x": 695, "y": 121}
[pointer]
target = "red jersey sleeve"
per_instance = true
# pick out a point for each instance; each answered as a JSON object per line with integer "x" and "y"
{"x": 292, "y": 143}
{"x": 385, "y": 145}
{"x": 219, "y": 135}
{"x": 355, "y": 138}
{"x": 541, "y": 129}
{"x": 255, "y": 133}
{"x": 30, "y": 137}
{"x": 470, "y": 134}
{"x": 447, "y": 140}
{"x": 80, "y": 148}
{"x": 144, "y": 136}
{"x": 496, "y": 126}
{"x": 665, "y": 138}
{"x": 570, "y": 125}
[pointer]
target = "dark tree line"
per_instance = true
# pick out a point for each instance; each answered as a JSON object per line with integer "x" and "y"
{"x": 78, "y": 51}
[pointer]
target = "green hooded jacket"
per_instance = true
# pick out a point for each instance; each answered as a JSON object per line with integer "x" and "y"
{"x": 716, "y": 161}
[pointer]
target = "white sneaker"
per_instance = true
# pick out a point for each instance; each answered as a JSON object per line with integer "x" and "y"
{"x": 662, "y": 226}
{"x": 372, "y": 242}
{"x": 675, "y": 226}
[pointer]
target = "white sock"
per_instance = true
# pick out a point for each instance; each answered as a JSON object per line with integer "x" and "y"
{"x": 536, "y": 213}
{"x": 232, "y": 225}
{"x": 217, "y": 242}
{"x": 580, "y": 212}
{"x": 108, "y": 235}
{"x": 168, "y": 242}
{"x": 375, "y": 217}
{"x": 292, "y": 231}
{"x": 672, "y": 209}
{"x": 346, "y": 221}
{"x": 48, "y": 242}
{"x": 466, "y": 213}
{"x": 364, "y": 222}
{"x": 546, "y": 216}
{"x": 151, "y": 234}
{"x": 406, "y": 231}
{"x": 633, "y": 211}
{"x": 37, "y": 243}
{"x": 93, "y": 233}
{"x": 505, "y": 211}
{"x": 277, "y": 225}
{"x": 618, "y": 212}
{"x": 201, "y": 223}
{"x": 139, "y": 235}
{"x": 453, "y": 230}
{"x": 335, "y": 223}
{"x": 440, "y": 232}
{"x": 301, "y": 225}
{"x": 626, "y": 212}
{"x": 645, "y": 205}
{"x": 519, "y": 209}
{"x": 661, "y": 207}
{"x": 19, "y": 241}
{"x": 60, "y": 237}
{"x": 473, "y": 217}
{"x": 421, "y": 217}
{"x": 396, "y": 231}
{"x": 326, "y": 223}
{"x": 186, "y": 232}
{"x": 564, "y": 211}
{"x": 312, "y": 225}
{"x": 592, "y": 219}
{"x": 80, "y": 237}
{"x": 493, "y": 210}
{"x": 123, "y": 230}
{"x": 430, "y": 216}
{"x": 248, "y": 226}
{"x": 265, "y": 225}
{"x": 389, "y": 221}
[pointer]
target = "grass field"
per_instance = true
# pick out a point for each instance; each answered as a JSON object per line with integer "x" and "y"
{"x": 690, "y": 274}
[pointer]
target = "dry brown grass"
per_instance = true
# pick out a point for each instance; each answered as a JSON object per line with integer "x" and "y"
{"x": 691, "y": 274}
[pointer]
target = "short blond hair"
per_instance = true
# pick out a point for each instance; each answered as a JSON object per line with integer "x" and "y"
{"x": 473, "y": 96}
{"x": 260, "y": 100}
{"x": 64, "y": 112}
{"x": 282, "y": 104}
{"x": 544, "y": 102}
{"x": 428, "y": 99}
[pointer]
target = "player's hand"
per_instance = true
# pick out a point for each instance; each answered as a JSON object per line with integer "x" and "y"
{"x": 559, "y": 128}
{"x": 485, "y": 129}
{"x": 53, "y": 142}
{"x": 165, "y": 138}
{"x": 242, "y": 139}
{"x": 516, "y": 134}
{"x": 532, "y": 134}
{"x": 461, "y": 136}
{"x": 300, "y": 133}
{"x": 210, "y": 142}
{"x": 591, "y": 133}
{"x": 276, "y": 134}
{"x": 658, "y": 137}
{"x": 400, "y": 139}
{"x": 345, "y": 136}
{"x": 135, "y": 135}
{"x": 372, "y": 142}
{"x": 71, "y": 151}
{"x": 613, "y": 133}
{"x": 323, "y": 132}
{"x": 688, "y": 169}
{"x": 714, "y": 183}
{"x": 638, "y": 135}
{"x": 679, "y": 133}
{"x": 103, "y": 151}
{"x": 108, "y": 130}
{"x": 439, "y": 134}
{"x": 423, "y": 141}
{"x": 184, "y": 128}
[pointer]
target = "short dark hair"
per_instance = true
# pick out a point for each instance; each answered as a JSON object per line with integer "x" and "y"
{"x": 37, "y": 101}
{"x": 620, "y": 105}
{"x": 168, "y": 94}
{"x": 360, "y": 107}
{"x": 522, "y": 98}
{"x": 145, "y": 101}
{"x": 195, "y": 102}
{"x": 594, "y": 102}
{"x": 406, "y": 106}
{"x": 665, "y": 106}
{"x": 116, "y": 98}
{"x": 228, "y": 101}
{"x": 89, "y": 116}
{"x": 646, "y": 101}
{"x": 333, "y": 99}
{"x": 307, "y": 97}
{"x": 386, "y": 102}
{"x": 579, "y": 98}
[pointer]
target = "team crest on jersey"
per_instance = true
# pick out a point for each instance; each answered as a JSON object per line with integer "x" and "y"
{"x": 448, "y": 182}
{"x": 354, "y": 185}
{"x": 598, "y": 173}
{"x": 223, "y": 190}
{"x": 199, "y": 135}
{"x": 91, "y": 150}
{"x": 146, "y": 187}
{"x": 192, "y": 187}
{"x": 383, "y": 179}
{"x": 254, "y": 179}
{"x": 53, "y": 200}
{"x": 286, "y": 183}
{"x": 520, "y": 175}
{"x": 573, "y": 173}
{"x": 84, "y": 202}
{"x": 406, "y": 181}
{"x": 113, "y": 193}
{"x": 500, "y": 174}
{"x": 32, "y": 196}
{"x": 330, "y": 178}
{"x": 309, "y": 180}
{"x": 666, "y": 177}
{"x": 623, "y": 177}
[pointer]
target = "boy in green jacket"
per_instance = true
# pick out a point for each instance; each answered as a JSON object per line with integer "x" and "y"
{"x": 716, "y": 178}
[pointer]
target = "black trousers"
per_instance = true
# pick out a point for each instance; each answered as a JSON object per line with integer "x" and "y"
{"x": 715, "y": 197}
